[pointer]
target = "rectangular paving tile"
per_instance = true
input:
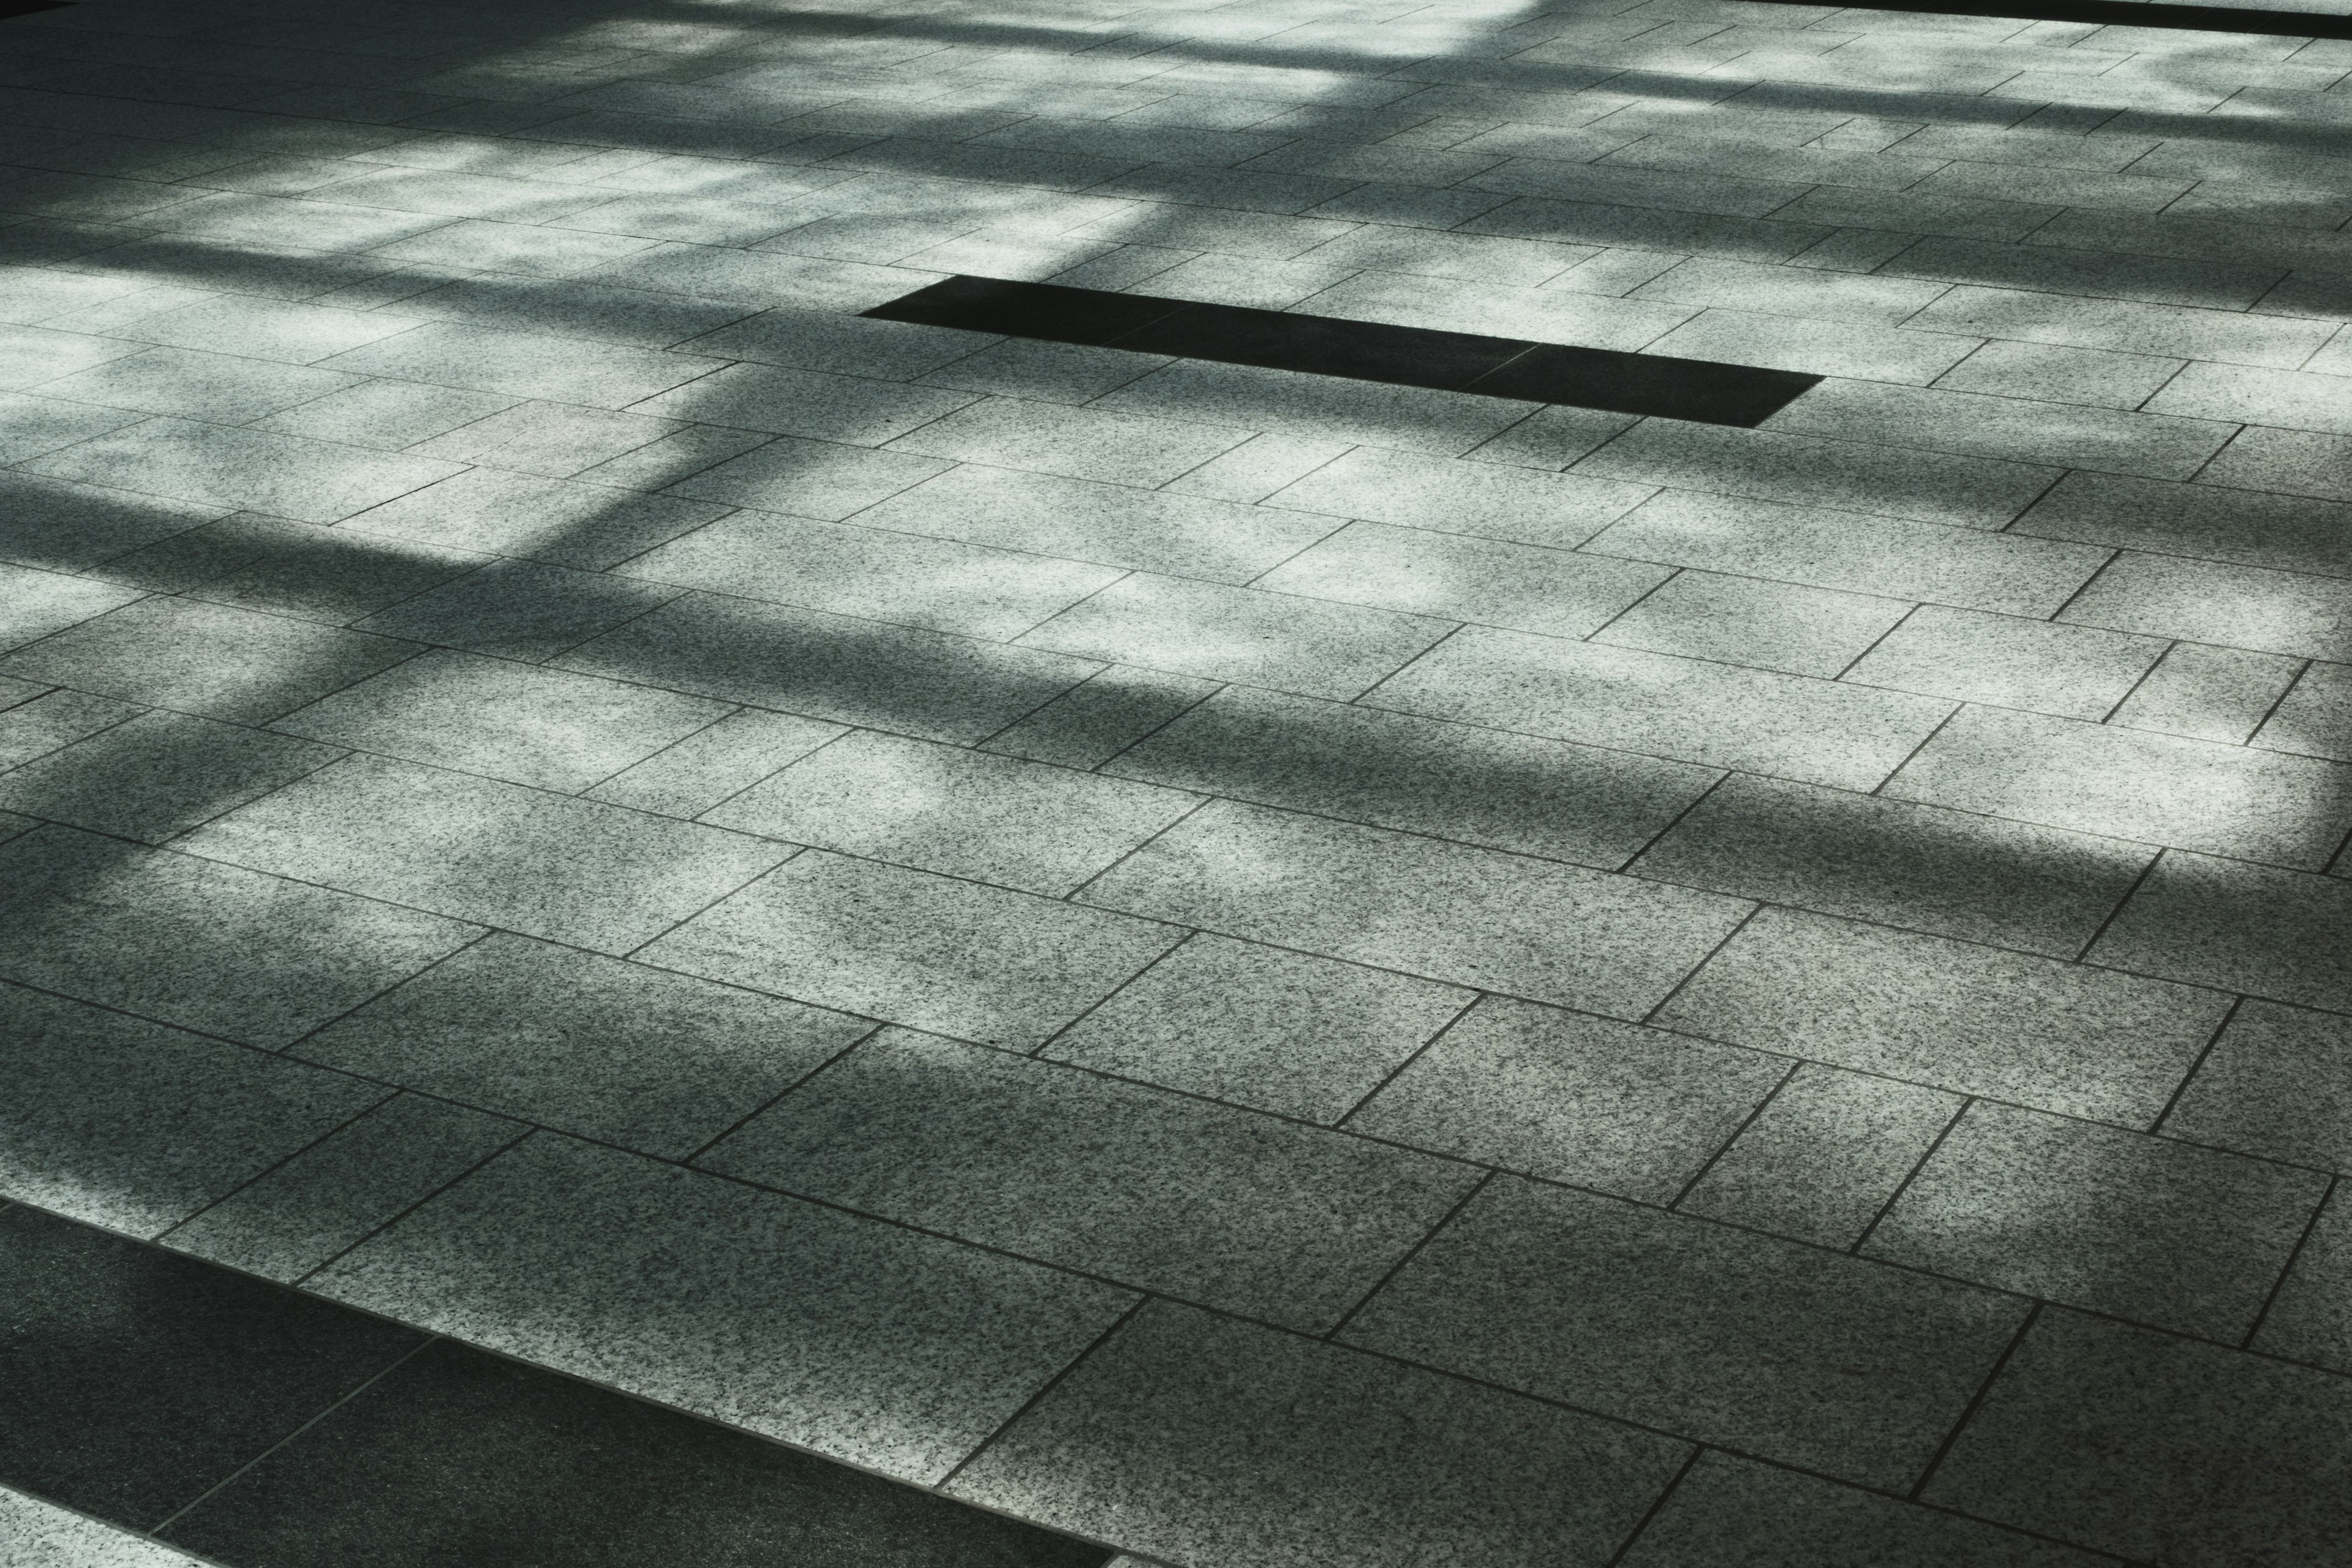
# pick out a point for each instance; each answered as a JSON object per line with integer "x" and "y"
{"x": 1206, "y": 629}
{"x": 821, "y": 479}
{"x": 519, "y": 609}
{"x": 1745, "y": 620}
{"x": 139, "y": 1379}
{"x": 895, "y": 1352}
{"x": 1971, "y": 569}
{"x": 1076, "y": 443}
{"x": 549, "y": 728}
{"x": 1725, "y": 1511}
{"x": 2208, "y": 693}
{"x": 648, "y": 1059}
{"x": 786, "y": 402}
{"x": 1808, "y": 470}
{"x": 1377, "y": 485}
{"x": 1715, "y": 715}
{"x": 2006, "y": 660}
{"x": 2152, "y": 446}
{"x": 2289, "y": 399}
{"x": 1447, "y": 911}
{"x": 1279, "y": 1031}
{"x": 853, "y": 570}
{"x": 2154, "y": 1448}
{"x": 2209, "y": 921}
{"x": 1615, "y": 1107}
{"x": 2144, "y": 1228}
{"x": 1950, "y": 872}
{"x": 992, "y": 818}
{"x": 2239, "y": 606}
{"x": 157, "y": 774}
{"x": 67, "y": 527}
{"x": 1294, "y": 403}
{"x": 2287, "y": 532}
{"x": 1833, "y": 1363}
{"x": 227, "y": 663}
{"x": 2272, "y": 1085}
{"x": 332, "y": 1195}
{"x": 1391, "y": 770}
{"x": 590, "y": 526}
{"x": 2081, "y": 1042}
{"x": 932, "y": 951}
{"x": 227, "y": 388}
{"x": 2309, "y": 1321}
{"x": 40, "y": 719}
{"x": 291, "y": 568}
{"x": 1824, "y": 1155}
{"x": 524, "y": 364}
{"x": 832, "y": 666}
{"x": 1201, "y": 1440}
{"x": 1206, "y": 1203}
{"x": 1095, "y": 721}
{"x": 690, "y": 777}
{"x": 135, "y": 1126}
{"x": 596, "y": 876}
{"x": 214, "y": 465}
{"x": 1115, "y": 524}
{"x": 551, "y": 1465}
{"x": 2098, "y": 778}
{"x": 193, "y": 941}
{"x": 2315, "y": 720}
{"x": 1556, "y": 593}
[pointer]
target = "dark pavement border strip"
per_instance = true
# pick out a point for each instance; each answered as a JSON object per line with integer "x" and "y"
{"x": 1518, "y": 368}
{"x": 251, "y": 1423}
{"x": 2123, "y": 14}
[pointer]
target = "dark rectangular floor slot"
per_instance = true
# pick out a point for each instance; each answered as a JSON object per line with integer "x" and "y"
{"x": 2126, "y": 14}
{"x": 26, "y": 7}
{"x": 258, "y": 1424}
{"x": 1517, "y": 368}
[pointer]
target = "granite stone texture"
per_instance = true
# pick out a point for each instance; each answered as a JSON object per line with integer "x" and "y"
{"x": 564, "y": 784}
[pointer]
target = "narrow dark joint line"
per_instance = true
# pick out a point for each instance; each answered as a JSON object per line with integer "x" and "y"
{"x": 2196, "y": 1066}
{"x": 1519, "y": 369}
{"x": 2293, "y": 1256}
{"x": 165, "y": 1523}
{"x": 2132, "y": 13}
{"x": 1976, "y": 1400}
{"x": 1908, "y": 1177}
{"x": 1401, "y": 1264}
{"x": 1413, "y": 1056}
{"x": 2083, "y": 954}
{"x": 1044, "y": 1389}
{"x": 1657, "y": 1506}
{"x": 1725, "y": 1147}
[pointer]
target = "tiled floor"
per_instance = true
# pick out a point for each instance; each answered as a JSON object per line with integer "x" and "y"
{"x": 1257, "y": 967}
